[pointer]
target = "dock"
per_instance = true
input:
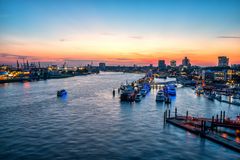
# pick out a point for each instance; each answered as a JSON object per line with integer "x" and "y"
{"x": 213, "y": 129}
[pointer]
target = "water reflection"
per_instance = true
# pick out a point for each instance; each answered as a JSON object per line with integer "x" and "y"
{"x": 90, "y": 123}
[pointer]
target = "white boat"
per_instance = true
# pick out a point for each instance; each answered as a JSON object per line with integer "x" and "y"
{"x": 138, "y": 98}
{"x": 160, "y": 97}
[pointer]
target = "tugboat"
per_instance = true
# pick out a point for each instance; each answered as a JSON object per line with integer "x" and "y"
{"x": 160, "y": 96}
{"x": 138, "y": 98}
{"x": 61, "y": 93}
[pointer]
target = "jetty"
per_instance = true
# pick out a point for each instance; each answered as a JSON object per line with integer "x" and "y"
{"x": 218, "y": 129}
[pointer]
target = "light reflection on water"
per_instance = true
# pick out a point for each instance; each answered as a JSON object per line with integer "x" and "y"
{"x": 91, "y": 124}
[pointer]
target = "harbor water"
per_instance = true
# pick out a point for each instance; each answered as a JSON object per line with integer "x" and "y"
{"x": 89, "y": 123}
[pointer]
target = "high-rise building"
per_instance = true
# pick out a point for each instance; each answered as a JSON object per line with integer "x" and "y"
{"x": 161, "y": 64}
{"x": 223, "y": 61}
{"x": 102, "y": 66}
{"x": 186, "y": 62}
{"x": 173, "y": 63}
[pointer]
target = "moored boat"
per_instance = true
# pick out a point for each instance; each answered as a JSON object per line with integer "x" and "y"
{"x": 170, "y": 89}
{"x": 143, "y": 92}
{"x": 160, "y": 97}
{"x": 138, "y": 98}
{"x": 199, "y": 90}
{"x": 127, "y": 93}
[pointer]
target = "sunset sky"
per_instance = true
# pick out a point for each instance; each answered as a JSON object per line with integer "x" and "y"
{"x": 119, "y": 31}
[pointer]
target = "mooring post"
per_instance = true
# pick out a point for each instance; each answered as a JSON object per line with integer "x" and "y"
{"x": 223, "y": 116}
{"x": 169, "y": 113}
{"x": 201, "y": 126}
{"x": 212, "y": 123}
{"x": 164, "y": 118}
{"x": 204, "y": 127}
{"x": 113, "y": 92}
{"x": 186, "y": 115}
{"x": 176, "y": 112}
{"x": 217, "y": 118}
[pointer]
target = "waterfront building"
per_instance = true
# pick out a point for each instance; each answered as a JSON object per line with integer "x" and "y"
{"x": 161, "y": 64}
{"x": 236, "y": 66}
{"x": 102, "y": 66}
{"x": 220, "y": 76}
{"x": 207, "y": 75}
{"x": 186, "y": 62}
{"x": 223, "y": 61}
{"x": 173, "y": 63}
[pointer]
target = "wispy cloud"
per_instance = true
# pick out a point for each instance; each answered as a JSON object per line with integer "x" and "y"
{"x": 122, "y": 59}
{"x": 136, "y": 37}
{"x": 62, "y": 40}
{"x": 230, "y": 37}
{"x": 78, "y": 60}
{"x": 108, "y": 34}
{"x": 17, "y": 56}
{"x": 10, "y": 55}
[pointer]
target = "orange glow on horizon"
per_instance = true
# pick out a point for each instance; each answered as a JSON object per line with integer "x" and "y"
{"x": 123, "y": 50}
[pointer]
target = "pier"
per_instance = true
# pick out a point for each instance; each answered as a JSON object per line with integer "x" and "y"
{"x": 218, "y": 129}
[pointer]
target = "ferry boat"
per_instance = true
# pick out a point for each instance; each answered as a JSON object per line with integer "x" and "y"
{"x": 127, "y": 93}
{"x": 61, "y": 93}
{"x": 138, "y": 98}
{"x": 160, "y": 97}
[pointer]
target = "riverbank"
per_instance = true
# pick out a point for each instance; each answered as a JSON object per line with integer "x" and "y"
{"x": 28, "y": 79}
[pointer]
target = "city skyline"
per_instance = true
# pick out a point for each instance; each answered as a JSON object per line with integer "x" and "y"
{"x": 120, "y": 32}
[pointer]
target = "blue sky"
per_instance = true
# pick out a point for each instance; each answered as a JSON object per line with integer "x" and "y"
{"x": 62, "y": 19}
{"x": 211, "y": 17}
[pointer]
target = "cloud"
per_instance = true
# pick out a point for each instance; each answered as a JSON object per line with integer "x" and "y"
{"x": 62, "y": 40}
{"x": 230, "y": 37}
{"x": 9, "y": 55}
{"x": 136, "y": 37}
{"x": 78, "y": 60}
{"x": 108, "y": 34}
{"x": 122, "y": 59}
{"x": 17, "y": 56}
